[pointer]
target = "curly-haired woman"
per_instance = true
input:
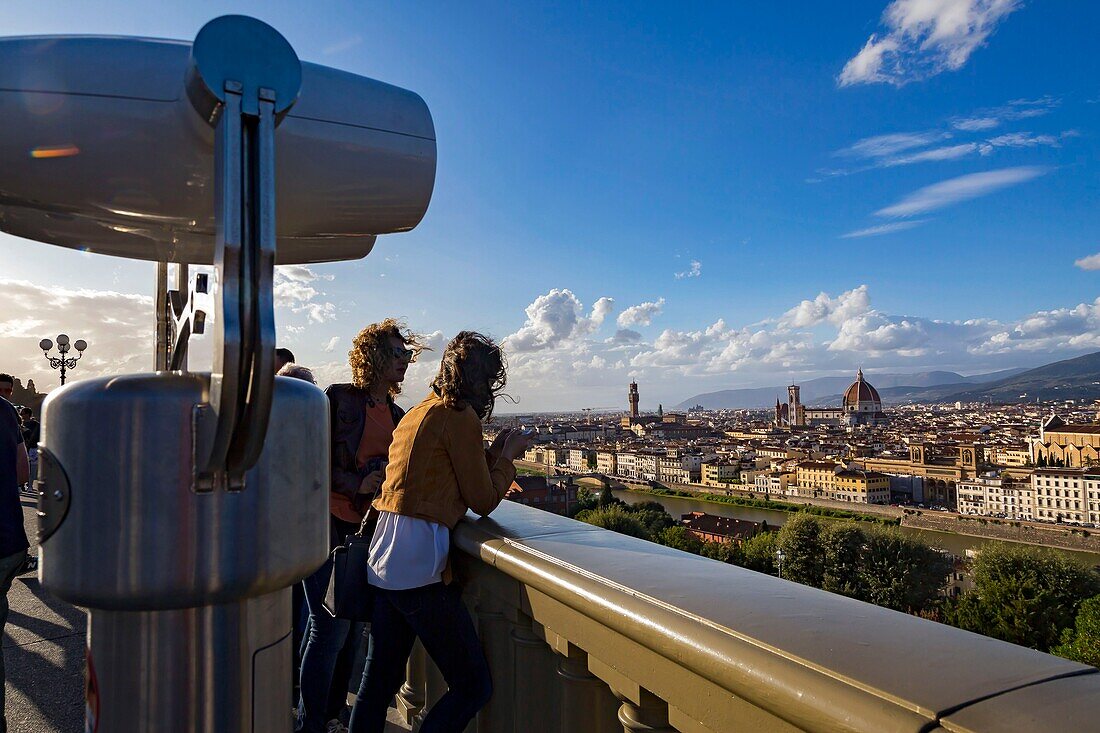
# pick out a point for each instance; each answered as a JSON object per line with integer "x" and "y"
{"x": 363, "y": 416}
{"x": 438, "y": 468}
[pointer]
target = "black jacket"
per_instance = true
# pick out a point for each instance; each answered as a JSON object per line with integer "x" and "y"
{"x": 347, "y": 407}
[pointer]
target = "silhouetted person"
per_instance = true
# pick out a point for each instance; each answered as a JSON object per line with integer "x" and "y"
{"x": 14, "y": 471}
{"x": 32, "y": 431}
{"x": 283, "y": 356}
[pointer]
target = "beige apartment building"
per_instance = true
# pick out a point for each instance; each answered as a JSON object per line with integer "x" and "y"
{"x": 816, "y": 478}
{"x": 863, "y": 487}
{"x": 648, "y": 465}
{"x": 989, "y": 496}
{"x": 547, "y": 455}
{"x": 720, "y": 473}
{"x": 776, "y": 483}
{"x": 1016, "y": 456}
{"x": 1067, "y": 494}
{"x": 626, "y": 464}
{"x": 827, "y": 480}
{"x": 606, "y": 463}
{"x": 578, "y": 459}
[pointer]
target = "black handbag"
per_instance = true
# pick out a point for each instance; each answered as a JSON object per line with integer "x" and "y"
{"x": 350, "y": 595}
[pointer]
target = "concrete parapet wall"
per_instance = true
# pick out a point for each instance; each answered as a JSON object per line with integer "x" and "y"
{"x": 589, "y": 630}
{"x": 1049, "y": 535}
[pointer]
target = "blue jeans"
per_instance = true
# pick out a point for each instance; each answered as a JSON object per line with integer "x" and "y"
{"x": 9, "y": 567}
{"x": 436, "y": 614}
{"x": 330, "y": 648}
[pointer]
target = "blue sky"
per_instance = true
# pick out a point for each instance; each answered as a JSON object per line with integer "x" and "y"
{"x": 901, "y": 186}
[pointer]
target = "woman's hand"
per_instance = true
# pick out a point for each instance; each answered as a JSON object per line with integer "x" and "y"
{"x": 498, "y": 442}
{"x": 372, "y": 482}
{"x": 516, "y": 444}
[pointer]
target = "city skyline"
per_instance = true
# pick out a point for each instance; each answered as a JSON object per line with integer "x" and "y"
{"x": 634, "y": 193}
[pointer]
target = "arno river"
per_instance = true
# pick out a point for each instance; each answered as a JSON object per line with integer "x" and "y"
{"x": 957, "y": 544}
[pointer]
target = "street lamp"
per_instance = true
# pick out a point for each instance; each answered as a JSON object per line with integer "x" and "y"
{"x": 779, "y": 555}
{"x": 63, "y": 346}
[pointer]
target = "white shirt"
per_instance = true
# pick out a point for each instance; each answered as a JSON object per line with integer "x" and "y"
{"x": 407, "y": 552}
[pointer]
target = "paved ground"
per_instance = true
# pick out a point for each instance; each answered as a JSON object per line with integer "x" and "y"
{"x": 43, "y": 647}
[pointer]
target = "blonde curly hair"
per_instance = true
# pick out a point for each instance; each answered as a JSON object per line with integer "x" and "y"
{"x": 473, "y": 372}
{"x": 371, "y": 355}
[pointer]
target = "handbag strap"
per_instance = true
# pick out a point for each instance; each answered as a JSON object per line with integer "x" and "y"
{"x": 369, "y": 522}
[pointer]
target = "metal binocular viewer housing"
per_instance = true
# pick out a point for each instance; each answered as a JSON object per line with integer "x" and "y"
{"x": 178, "y": 506}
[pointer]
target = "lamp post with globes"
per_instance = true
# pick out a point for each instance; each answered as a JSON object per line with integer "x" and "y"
{"x": 63, "y": 362}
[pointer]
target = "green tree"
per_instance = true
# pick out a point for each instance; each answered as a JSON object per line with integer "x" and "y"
{"x": 678, "y": 538}
{"x": 1082, "y": 643}
{"x": 607, "y": 498}
{"x": 653, "y": 516}
{"x": 1022, "y": 594}
{"x": 800, "y": 541}
{"x": 842, "y": 552}
{"x": 726, "y": 552}
{"x": 899, "y": 572}
{"x": 585, "y": 500}
{"x": 758, "y": 553}
{"x": 616, "y": 519}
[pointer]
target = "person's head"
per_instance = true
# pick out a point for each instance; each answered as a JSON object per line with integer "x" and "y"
{"x": 380, "y": 355}
{"x": 297, "y": 371}
{"x": 472, "y": 372}
{"x": 7, "y": 386}
{"x": 283, "y": 356}
{"x": 26, "y": 413}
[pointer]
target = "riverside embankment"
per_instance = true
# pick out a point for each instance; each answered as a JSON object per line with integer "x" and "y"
{"x": 1062, "y": 537}
{"x": 938, "y": 531}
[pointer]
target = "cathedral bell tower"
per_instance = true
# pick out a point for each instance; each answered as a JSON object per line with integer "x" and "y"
{"x": 795, "y": 414}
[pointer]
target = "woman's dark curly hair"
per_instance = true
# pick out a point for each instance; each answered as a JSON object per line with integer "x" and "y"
{"x": 371, "y": 353}
{"x": 473, "y": 372}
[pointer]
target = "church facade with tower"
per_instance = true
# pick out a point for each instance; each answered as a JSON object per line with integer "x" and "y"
{"x": 861, "y": 405}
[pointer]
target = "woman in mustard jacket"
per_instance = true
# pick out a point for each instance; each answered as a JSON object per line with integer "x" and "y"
{"x": 438, "y": 468}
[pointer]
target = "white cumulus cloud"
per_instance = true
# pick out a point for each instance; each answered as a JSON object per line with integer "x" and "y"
{"x": 641, "y": 314}
{"x": 295, "y": 290}
{"x": 829, "y": 333}
{"x": 824, "y": 308}
{"x": 555, "y": 319}
{"x": 1092, "y": 262}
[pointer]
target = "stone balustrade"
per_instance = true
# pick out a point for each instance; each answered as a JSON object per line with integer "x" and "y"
{"x": 589, "y": 630}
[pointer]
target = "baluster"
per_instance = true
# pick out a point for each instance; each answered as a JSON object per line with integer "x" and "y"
{"x": 434, "y": 689}
{"x": 587, "y": 704}
{"x": 537, "y": 692}
{"x": 494, "y": 630}
{"x": 650, "y": 716}
{"x": 410, "y": 698}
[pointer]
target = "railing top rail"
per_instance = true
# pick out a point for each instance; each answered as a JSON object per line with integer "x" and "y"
{"x": 818, "y": 660}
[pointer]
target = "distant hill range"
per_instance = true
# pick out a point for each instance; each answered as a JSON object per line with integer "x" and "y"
{"x": 1077, "y": 378}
